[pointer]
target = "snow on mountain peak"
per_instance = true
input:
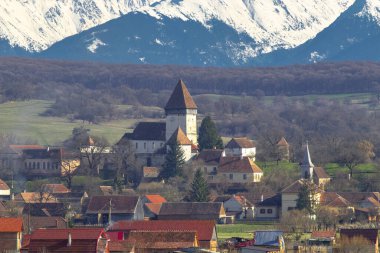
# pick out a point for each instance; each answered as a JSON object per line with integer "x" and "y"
{"x": 37, "y": 24}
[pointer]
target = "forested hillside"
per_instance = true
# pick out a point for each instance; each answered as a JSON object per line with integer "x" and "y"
{"x": 27, "y": 78}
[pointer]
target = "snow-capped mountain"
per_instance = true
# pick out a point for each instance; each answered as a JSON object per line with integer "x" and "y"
{"x": 197, "y": 32}
{"x": 37, "y": 24}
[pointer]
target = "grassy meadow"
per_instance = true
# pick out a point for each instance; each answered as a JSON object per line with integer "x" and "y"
{"x": 23, "y": 119}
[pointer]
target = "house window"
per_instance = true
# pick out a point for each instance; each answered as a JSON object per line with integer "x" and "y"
{"x": 144, "y": 145}
{"x": 214, "y": 169}
{"x": 153, "y": 145}
{"x": 137, "y": 145}
{"x": 269, "y": 211}
{"x": 245, "y": 176}
{"x": 262, "y": 210}
{"x": 231, "y": 176}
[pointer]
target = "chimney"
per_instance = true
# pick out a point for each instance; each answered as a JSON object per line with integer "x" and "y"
{"x": 48, "y": 148}
{"x": 69, "y": 240}
{"x": 262, "y": 197}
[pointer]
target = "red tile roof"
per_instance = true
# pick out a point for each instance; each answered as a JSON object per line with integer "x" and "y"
{"x": 155, "y": 198}
{"x": 10, "y": 225}
{"x": 180, "y": 98}
{"x": 20, "y": 148}
{"x": 205, "y": 228}
{"x": 234, "y": 164}
{"x": 62, "y": 234}
{"x": 163, "y": 239}
{"x": 3, "y": 185}
{"x": 120, "y": 246}
{"x": 323, "y": 234}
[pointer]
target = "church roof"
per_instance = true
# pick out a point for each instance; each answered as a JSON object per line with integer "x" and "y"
{"x": 180, "y": 137}
{"x": 149, "y": 131}
{"x": 180, "y": 98}
{"x": 307, "y": 159}
{"x": 320, "y": 172}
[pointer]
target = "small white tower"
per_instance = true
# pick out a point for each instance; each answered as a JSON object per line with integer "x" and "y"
{"x": 307, "y": 167}
{"x": 181, "y": 111}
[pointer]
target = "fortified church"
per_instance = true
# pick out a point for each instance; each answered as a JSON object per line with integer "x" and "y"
{"x": 150, "y": 139}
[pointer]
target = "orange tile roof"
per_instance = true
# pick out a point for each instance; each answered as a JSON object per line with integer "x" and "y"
{"x": 55, "y": 188}
{"x": 233, "y": 164}
{"x": 151, "y": 172}
{"x": 180, "y": 137}
{"x": 155, "y": 198}
{"x": 154, "y": 207}
{"x": 35, "y": 197}
{"x": 10, "y": 225}
{"x": 3, "y": 185}
{"x": 180, "y": 98}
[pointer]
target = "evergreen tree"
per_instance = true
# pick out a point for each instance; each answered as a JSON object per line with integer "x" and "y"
{"x": 199, "y": 191}
{"x": 208, "y": 135}
{"x": 305, "y": 199}
{"x": 174, "y": 162}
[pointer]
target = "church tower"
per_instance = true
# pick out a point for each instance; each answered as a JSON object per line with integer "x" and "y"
{"x": 307, "y": 167}
{"x": 181, "y": 111}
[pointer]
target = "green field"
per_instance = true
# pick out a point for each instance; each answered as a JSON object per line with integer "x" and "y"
{"x": 244, "y": 230}
{"x": 23, "y": 120}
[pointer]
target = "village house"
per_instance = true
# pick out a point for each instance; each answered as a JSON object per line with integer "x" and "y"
{"x": 10, "y": 234}
{"x": 232, "y": 169}
{"x": 289, "y": 195}
{"x": 268, "y": 208}
{"x": 241, "y": 147}
{"x": 68, "y": 240}
{"x": 192, "y": 211}
{"x": 162, "y": 241}
{"x": 283, "y": 149}
{"x": 237, "y": 206}
{"x": 206, "y": 229}
{"x": 112, "y": 208}
{"x": 5, "y": 191}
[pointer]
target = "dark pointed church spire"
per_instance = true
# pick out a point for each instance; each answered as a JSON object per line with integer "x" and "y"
{"x": 180, "y": 98}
